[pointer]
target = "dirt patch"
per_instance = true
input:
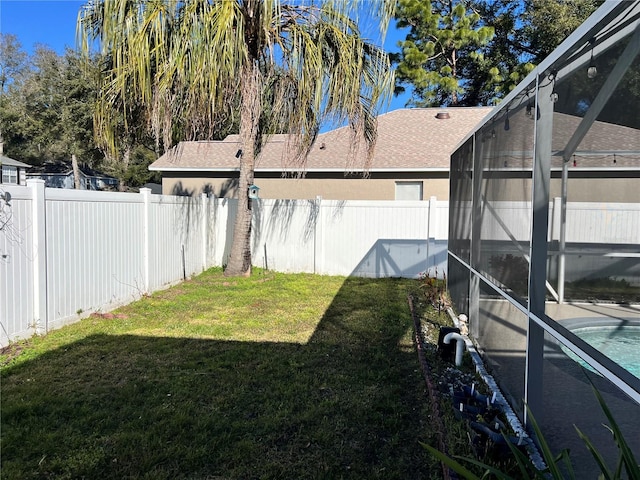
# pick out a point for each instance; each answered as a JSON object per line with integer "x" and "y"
{"x": 109, "y": 316}
{"x": 8, "y": 353}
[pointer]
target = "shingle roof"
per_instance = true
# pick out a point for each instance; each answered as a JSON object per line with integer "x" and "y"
{"x": 408, "y": 139}
{"x": 64, "y": 168}
{"x": 604, "y": 146}
{"x": 11, "y": 162}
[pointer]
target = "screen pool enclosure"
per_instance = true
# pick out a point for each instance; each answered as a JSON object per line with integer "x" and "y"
{"x": 544, "y": 233}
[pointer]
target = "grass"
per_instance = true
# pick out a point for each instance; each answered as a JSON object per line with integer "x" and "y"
{"x": 603, "y": 290}
{"x": 274, "y": 376}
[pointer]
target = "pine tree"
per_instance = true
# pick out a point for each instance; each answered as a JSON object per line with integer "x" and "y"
{"x": 441, "y": 49}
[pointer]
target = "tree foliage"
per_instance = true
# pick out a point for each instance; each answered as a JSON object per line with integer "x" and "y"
{"x": 524, "y": 32}
{"x": 551, "y": 21}
{"x": 440, "y": 51}
{"x": 12, "y": 66}
{"x": 12, "y": 61}
{"x": 507, "y": 57}
{"x": 196, "y": 61}
{"x": 47, "y": 106}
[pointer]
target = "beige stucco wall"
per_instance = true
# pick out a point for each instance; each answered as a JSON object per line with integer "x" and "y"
{"x": 615, "y": 190}
{"x": 379, "y": 187}
{"x": 346, "y": 189}
{"x": 371, "y": 188}
{"x": 595, "y": 189}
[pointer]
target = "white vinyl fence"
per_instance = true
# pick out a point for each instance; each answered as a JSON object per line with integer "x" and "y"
{"x": 65, "y": 254}
{"x": 361, "y": 238}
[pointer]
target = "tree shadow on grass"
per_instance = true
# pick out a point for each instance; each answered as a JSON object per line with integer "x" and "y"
{"x": 348, "y": 404}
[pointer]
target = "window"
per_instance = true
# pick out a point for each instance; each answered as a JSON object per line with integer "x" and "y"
{"x": 9, "y": 174}
{"x": 408, "y": 190}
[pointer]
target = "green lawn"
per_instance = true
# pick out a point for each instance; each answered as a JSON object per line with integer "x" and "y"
{"x": 274, "y": 376}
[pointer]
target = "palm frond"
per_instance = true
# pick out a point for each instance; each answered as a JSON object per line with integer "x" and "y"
{"x": 183, "y": 61}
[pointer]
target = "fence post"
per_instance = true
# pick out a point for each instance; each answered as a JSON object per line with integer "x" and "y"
{"x": 431, "y": 232}
{"x": 146, "y": 242}
{"x": 204, "y": 206}
{"x": 317, "y": 235}
{"x": 39, "y": 255}
{"x": 433, "y": 217}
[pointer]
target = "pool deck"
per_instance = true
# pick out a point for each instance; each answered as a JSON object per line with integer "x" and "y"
{"x": 570, "y": 402}
{"x": 568, "y": 312}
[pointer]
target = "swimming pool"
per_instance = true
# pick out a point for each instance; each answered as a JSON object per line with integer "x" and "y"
{"x": 619, "y": 342}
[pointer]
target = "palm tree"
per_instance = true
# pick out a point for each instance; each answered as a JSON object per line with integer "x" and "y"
{"x": 290, "y": 66}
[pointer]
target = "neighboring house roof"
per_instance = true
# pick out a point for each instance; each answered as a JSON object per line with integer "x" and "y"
{"x": 155, "y": 188}
{"x": 64, "y": 169}
{"x": 605, "y": 146}
{"x": 415, "y": 139}
{"x": 12, "y": 163}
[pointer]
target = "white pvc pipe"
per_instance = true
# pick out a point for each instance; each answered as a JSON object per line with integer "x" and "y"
{"x": 460, "y": 342}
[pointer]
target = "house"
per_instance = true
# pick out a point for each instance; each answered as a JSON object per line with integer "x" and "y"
{"x": 410, "y": 161}
{"x": 13, "y": 171}
{"x": 60, "y": 175}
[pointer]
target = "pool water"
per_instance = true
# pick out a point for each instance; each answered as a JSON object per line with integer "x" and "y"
{"x": 620, "y": 344}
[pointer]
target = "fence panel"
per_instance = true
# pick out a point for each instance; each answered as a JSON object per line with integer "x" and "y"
{"x": 506, "y": 221}
{"x": 94, "y": 252}
{"x": 16, "y": 264}
{"x": 377, "y": 239}
{"x": 175, "y": 238}
{"x": 603, "y": 223}
{"x": 284, "y": 234}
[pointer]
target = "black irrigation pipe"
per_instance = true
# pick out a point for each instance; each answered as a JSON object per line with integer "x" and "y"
{"x": 433, "y": 394}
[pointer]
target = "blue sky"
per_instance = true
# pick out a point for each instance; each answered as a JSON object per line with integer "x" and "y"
{"x": 53, "y": 23}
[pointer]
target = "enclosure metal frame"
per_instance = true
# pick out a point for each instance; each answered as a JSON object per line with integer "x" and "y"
{"x": 612, "y": 21}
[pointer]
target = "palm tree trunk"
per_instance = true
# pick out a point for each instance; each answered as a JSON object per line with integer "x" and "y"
{"x": 126, "y": 159}
{"x": 240, "y": 257}
{"x": 76, "y": 172}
